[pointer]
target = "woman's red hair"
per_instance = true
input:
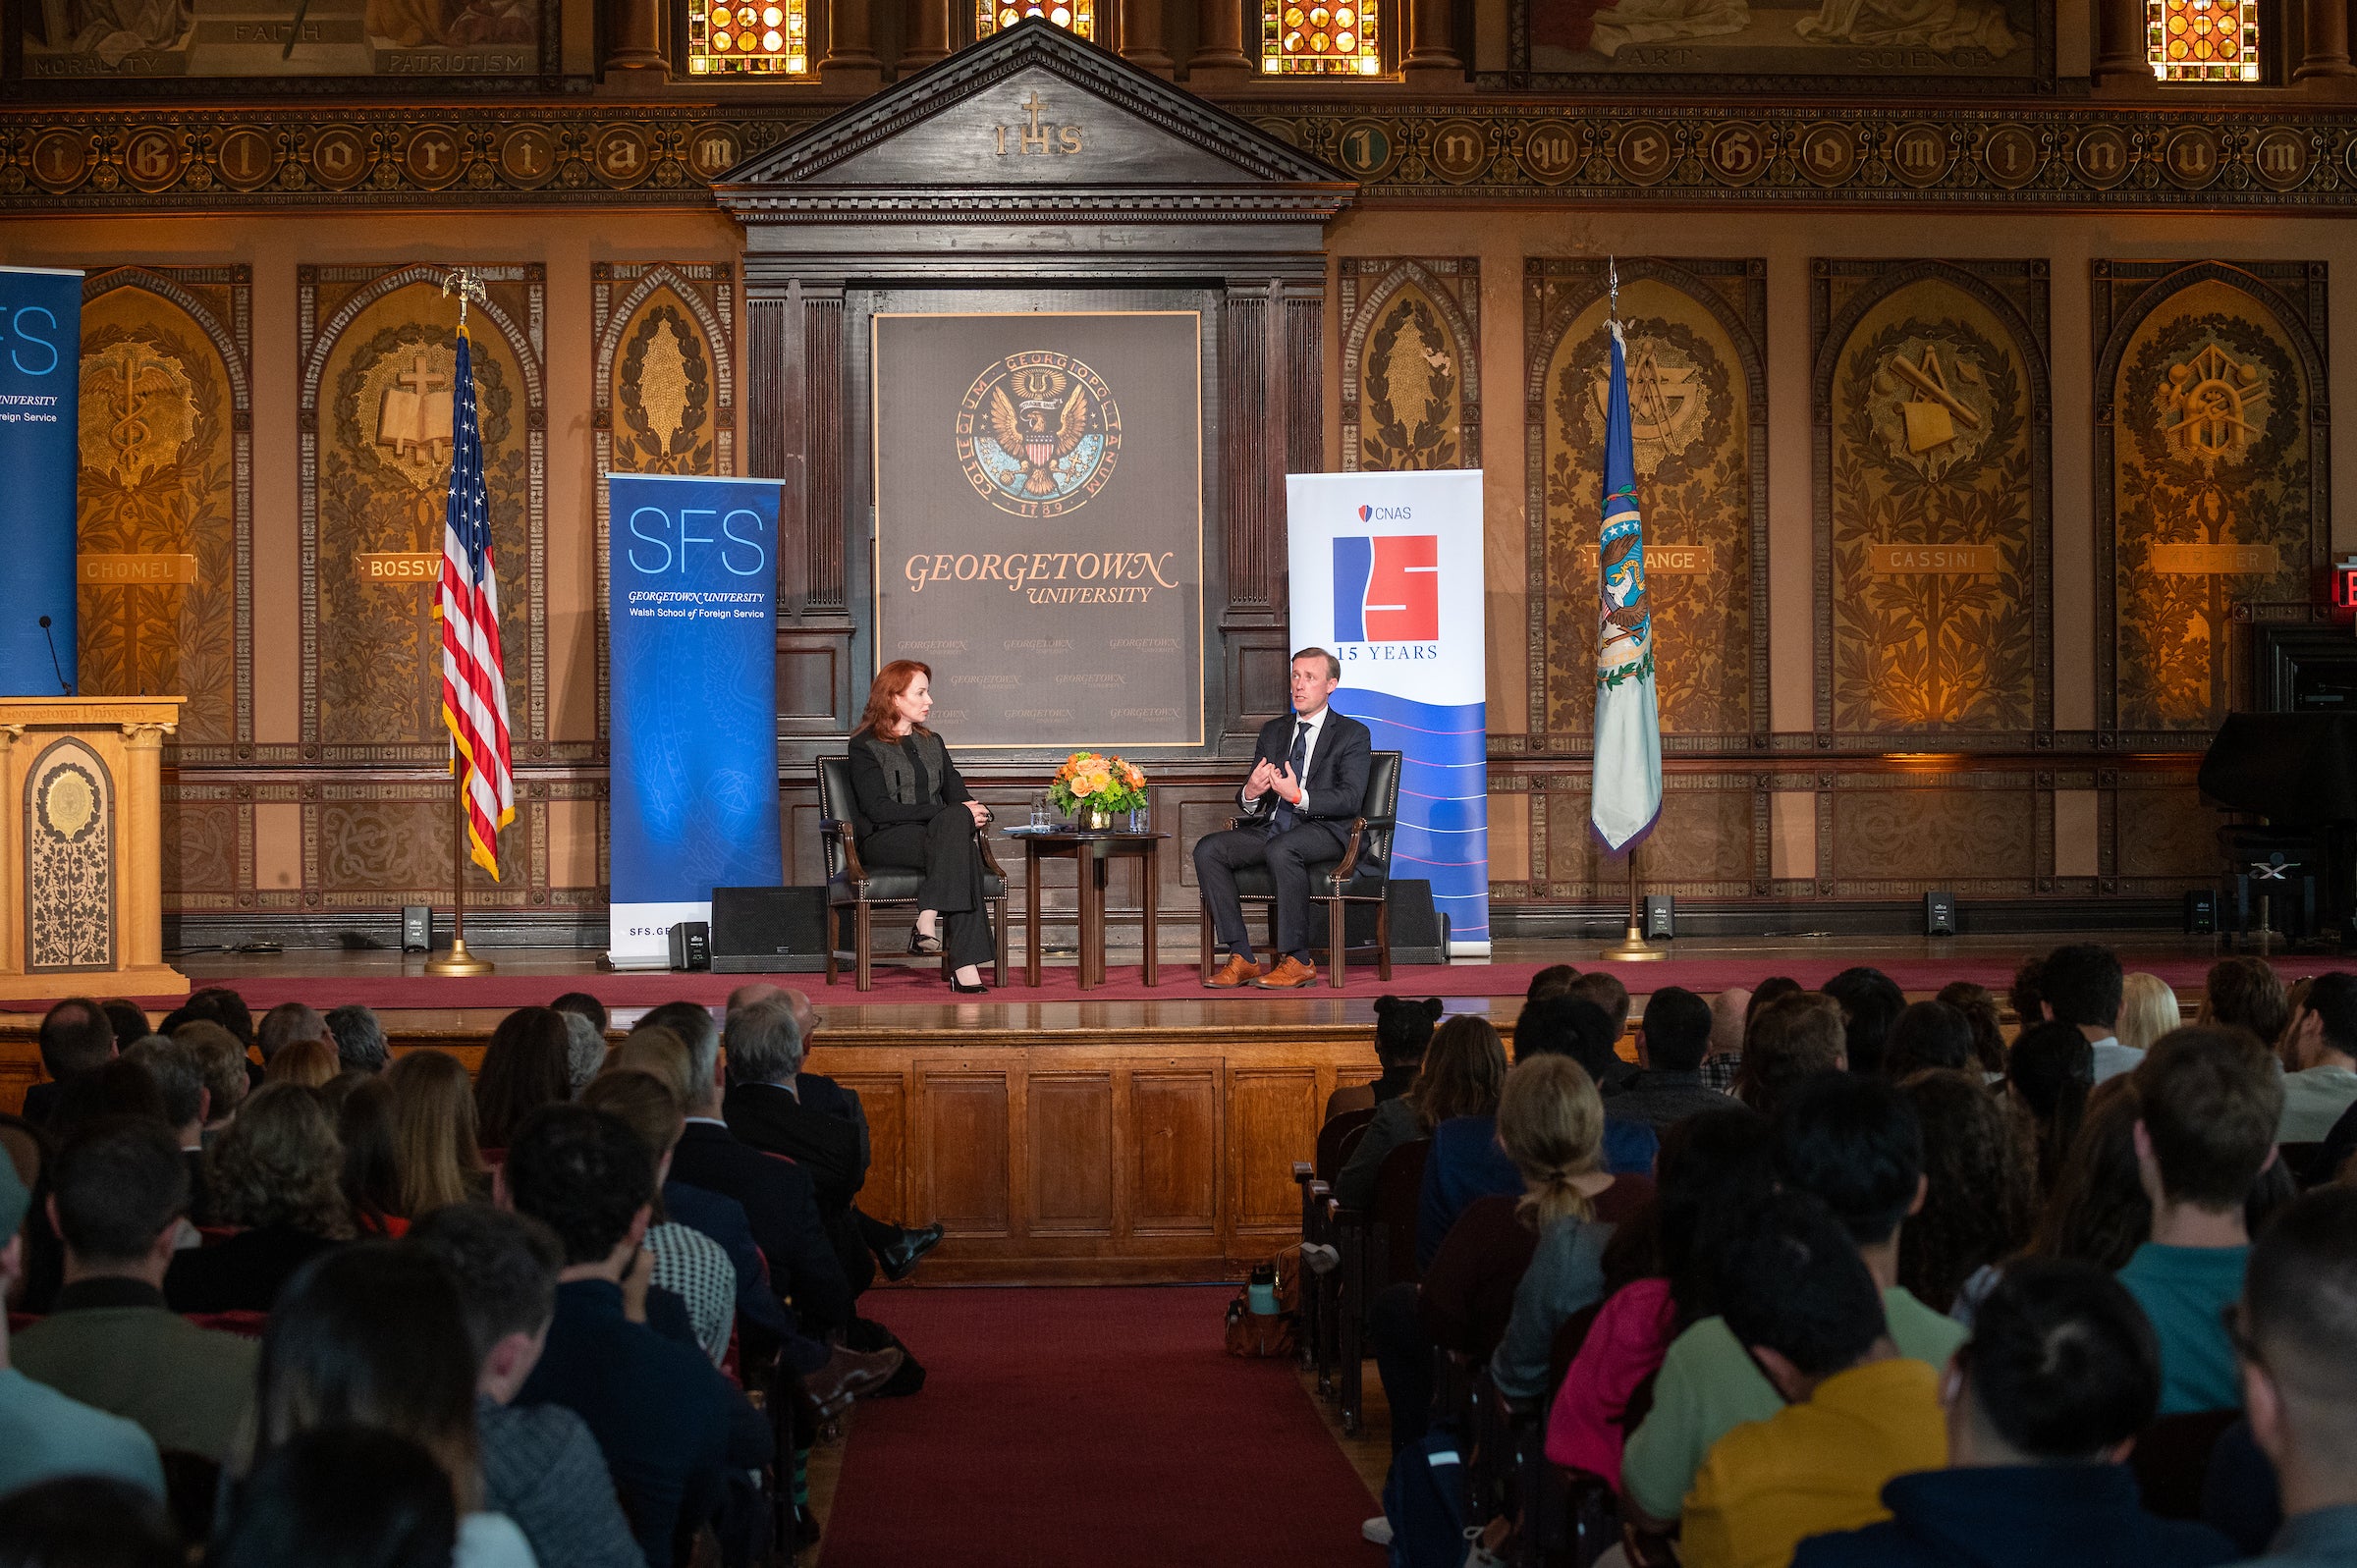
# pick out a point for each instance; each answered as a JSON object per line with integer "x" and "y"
{"x": 891, "y": 681}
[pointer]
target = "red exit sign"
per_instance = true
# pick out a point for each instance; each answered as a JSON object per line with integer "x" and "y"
{"x": 2344, "y": 590}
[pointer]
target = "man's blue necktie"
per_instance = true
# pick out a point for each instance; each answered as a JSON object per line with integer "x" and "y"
{"x": 1283, "y": 821}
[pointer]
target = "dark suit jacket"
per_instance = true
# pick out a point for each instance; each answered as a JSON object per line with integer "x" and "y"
{"x": 39, "y": 1101}
{"x": 1338, "y": 771}
{"x": 825, "y": 1147}
{"x": 823, "y": 1093}
{"x": 778, "y": 1203}
{"x": 722, "y": 1219}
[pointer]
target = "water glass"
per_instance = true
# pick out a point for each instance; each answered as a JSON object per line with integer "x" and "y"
{"x": 1039, "y": 809}
{"x": 1141, "y": 817}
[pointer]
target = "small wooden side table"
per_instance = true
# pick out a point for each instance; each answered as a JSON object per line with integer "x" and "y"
{"x": 1089, "y": 849}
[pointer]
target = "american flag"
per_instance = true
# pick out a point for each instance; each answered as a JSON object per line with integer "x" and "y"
{"x": 475, "y": 684}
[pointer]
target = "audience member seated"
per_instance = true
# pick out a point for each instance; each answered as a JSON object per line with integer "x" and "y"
{"x": 227, "y": 1083}
{"x": 1857, "y": 1410}
{"x": 433, "y": 1133}
{"x": 177, "y": 1072}
{"x": 1979, "y": 1008}
{"x": 1793, "y": 1035}
{"x": 290, "y": 1023}
{"x": 1853, "y": 1143}
{"x": 2208, "y": 1103}
{"x": 2319, "y": 1059}
{"x": 1871, "y": 1002}
{"x": 2050, "y": 1074}
{"x": 658, "y": 1052}
{"x": 277, "y": 1171}
{"x": 2042, "y": 1404}
{"x": 1928, "y": 1036}
{"x": 359, "y": 1038}
{"x": 364, "y": 1110}
{"x": 1671, "y": 1041}
{"x": 528, "y": 1064}
{"x": 308, "y": 1063}
{"x": 117, "y": 1195}
{"x": 1724, "y": 1059}
{"x": 1465, "y": 1161}
{"x": 1713, "y": 1168}
{"x": 2148, "y": 1010}
{"x": 342, "y": 1497}
{"x": 1552, "y": 981}
{"x": 373, "y": 1335}
{"x": 75, "y": 1036}
{"x": 88, "y": 1522}
{"x": 2246, "y": 993}
{"x": 43, "y": 1433}
{"x": 128, "y": 1021}
{"x": 1980, "y": 1196}
{"x": 1610, "y": 997}
{"x": 1550, "y": 1125}
{"x": 775, "y": 1194}
{"x": 114, "y": 1088}
{"x": 2081, "y": 985}
{"x": 670, "y": 1426}
{"x": 1462, "y": 1071}
{"x": 1403, "y": 1029}
{"x": 2295, "y": 1338}
{"x": 688, "y": 1262}
{"x": 541, "y": 1464}
{"x": 584, "y": 1051}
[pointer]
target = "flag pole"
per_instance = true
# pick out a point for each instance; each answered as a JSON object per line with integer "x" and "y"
{"x": 458, "y": 960}
{"x": 1632, "y": 946}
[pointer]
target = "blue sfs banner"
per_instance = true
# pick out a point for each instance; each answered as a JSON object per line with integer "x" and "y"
{"x": 40, "y": 378}
{"x": 1386, "y": 573}
{"x": 691, "y": 651}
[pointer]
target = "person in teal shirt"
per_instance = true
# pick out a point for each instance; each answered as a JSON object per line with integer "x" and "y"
{"x": 2209, "y": 1100}
{"x": 44, "y": 1434}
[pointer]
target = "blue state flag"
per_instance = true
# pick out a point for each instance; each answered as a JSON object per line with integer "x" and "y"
{"x": 1626, "y": 797}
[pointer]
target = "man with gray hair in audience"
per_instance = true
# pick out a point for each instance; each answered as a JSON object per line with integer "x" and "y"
{"x": 359, "y": 1038}
{"x": 1724, "y": 1056}
{"x": 287, "y": 1024}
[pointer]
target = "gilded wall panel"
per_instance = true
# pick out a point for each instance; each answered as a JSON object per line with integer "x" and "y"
{"x": 377, "y": 348}
{"x": 1696, "y": 334}
{"x": 1932, "y": 498}
{"x": 662, "y": 384}
{"x": 2211, "y": 433}
{"x": 1894, "y": 839}
{"x": 201, "y": 849}
{"x": 165, "y": 496}
{"x": 381, "y": 845}
{"x": 2167, "y": 831}
{"x": 1412, "y": 363}
{"x": 1710, "y": 841}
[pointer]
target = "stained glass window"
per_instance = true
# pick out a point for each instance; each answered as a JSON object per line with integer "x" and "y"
{"x": 2203, "y": 40}
{"x": 762, "y": 38}
{"x": 1074, "y": 15}
{"x": 1321, "y": 37}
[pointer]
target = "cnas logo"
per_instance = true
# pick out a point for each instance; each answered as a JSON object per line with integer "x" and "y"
{"x": 1387, "y": 589}
{"x": 1386, "y": 513}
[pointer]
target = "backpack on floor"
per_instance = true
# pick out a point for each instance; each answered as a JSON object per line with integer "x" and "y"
{"x": 1424, "y": 1498}
{"x": 1262, "y": 1333}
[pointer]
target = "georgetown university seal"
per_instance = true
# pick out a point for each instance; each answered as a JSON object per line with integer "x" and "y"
{"x": 1038, "y": 434}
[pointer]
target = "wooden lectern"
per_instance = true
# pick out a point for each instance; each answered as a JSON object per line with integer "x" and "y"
{"x": 81, "y": 846}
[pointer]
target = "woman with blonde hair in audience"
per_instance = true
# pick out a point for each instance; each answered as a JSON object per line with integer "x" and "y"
{"x": 658, "y": 1052}
{"x": 2148, "y": 1010}
{"x": 688, "y": 1263}
{"x": 277, "y": 1172}
{"x": 308, "y": 1063}
{"x": 528, "y": 1064}
{"x": 433, "y": 1133}
{"x": 1464, "y": 1067}
{"x": 1550, "y": 1125}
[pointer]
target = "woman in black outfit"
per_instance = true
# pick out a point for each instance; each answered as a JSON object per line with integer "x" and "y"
{"x": 911, "y": 809}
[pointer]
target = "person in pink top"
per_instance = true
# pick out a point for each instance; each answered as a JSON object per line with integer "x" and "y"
{"x": 1706, "y": 1163}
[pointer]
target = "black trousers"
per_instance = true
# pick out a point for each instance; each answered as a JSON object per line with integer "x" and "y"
{"x": 1404, "y": 1360}
{"x": 948, "y": 850}
{"x": 1288, "y": 857}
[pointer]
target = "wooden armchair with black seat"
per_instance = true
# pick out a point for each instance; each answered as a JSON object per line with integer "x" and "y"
{"x": 855, "y": 891}
{"x": 1359, "y": 875}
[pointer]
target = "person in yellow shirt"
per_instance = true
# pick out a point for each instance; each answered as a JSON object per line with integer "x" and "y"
{"x": 1856, "y": 1413}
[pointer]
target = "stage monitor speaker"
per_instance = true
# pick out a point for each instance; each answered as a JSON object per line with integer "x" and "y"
{"x": 1661, "y": 917}
{"x": 769, "y": 931}
{"x": 690, "y": 945}
{"x": 417, "y": 928}
{"x": 1939, "y": 914}
{"x": 2201, "y": 912}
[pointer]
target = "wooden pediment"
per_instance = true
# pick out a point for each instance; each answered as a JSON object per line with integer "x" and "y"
{"x": 1034, "y": 120}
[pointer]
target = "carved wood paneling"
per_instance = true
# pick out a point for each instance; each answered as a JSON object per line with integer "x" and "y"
{"x": 1173, "y": 1139}
{"x": 1071, "y": 1139}
{"x": 1272, "y": 1115}
{"x": 1412, "y": 361}
{"x": 1933, "y": 535}
{"x": 1252, "y": 532}
{"x": 2213, "y": 477}
{"x": 968, "y": 1122}
{"x": 884, "y": 1097}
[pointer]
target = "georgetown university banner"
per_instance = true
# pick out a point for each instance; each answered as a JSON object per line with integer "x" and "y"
{"x": 1387, "y": 573}
{"x": 1039, "y": 523}
{"x": 693, "y": 661}
{"x": 40, "y": 359}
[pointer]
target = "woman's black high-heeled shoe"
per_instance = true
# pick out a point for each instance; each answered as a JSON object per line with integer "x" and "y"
{"x": 974, "y": 990}
{"x": 923, "y": 945}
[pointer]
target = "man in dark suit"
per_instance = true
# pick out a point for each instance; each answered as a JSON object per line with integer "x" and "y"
{"x": 1309, "y": 780}
{"x": 75, "y": 1038}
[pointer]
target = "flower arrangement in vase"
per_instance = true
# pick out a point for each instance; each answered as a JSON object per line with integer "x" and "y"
{"x": 1091, "y": 789}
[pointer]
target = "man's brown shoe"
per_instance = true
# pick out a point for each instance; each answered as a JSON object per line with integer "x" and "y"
{"x": 1234, "y": 973}
{"x": 1290, "y": 974}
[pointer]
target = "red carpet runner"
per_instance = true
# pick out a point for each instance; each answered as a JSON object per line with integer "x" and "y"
{"x": 1076, "y": 1429}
